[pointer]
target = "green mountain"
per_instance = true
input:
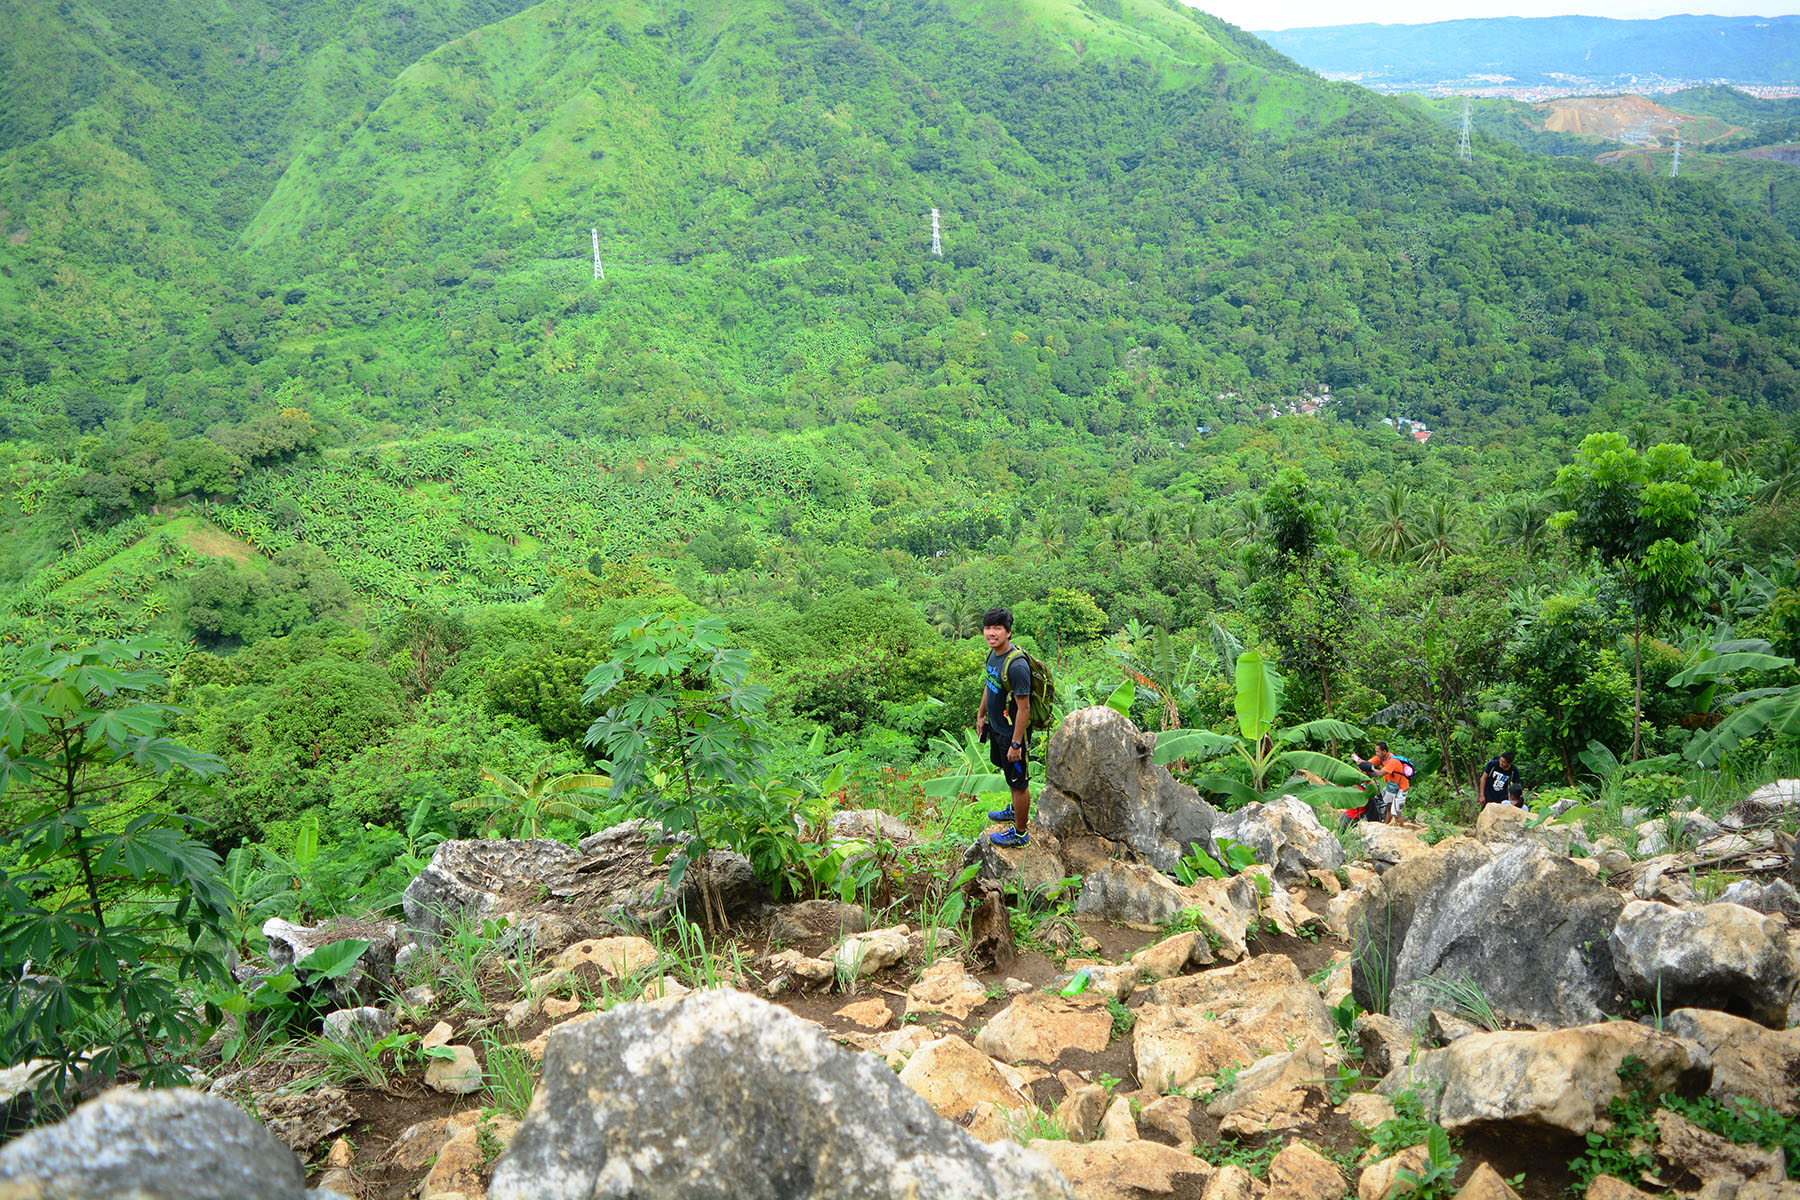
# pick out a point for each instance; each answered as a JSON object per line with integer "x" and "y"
{"x": 382, "y": 215}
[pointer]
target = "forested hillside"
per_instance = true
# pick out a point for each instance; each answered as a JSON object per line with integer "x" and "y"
{"x": 306, "y": 372}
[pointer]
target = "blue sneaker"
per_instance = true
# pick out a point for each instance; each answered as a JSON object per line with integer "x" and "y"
{"x": 1010, "y": 838}
{"x": 1003, "y": 815}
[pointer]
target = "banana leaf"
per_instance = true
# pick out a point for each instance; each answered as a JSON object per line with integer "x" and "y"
{"x": 1324, "y": 766}
{"x": 1724, "y": 664}
{"x": 1322, "y": 730}
{"x": 1259, "y": 695}
{"x": 1201, "y": 743}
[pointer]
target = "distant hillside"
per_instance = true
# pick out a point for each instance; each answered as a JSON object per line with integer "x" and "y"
{"x": 1541, "y": 50}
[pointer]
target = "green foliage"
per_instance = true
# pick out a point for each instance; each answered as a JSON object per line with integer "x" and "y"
{"x": 1744, "y": 1121}
{"x": 104, "y": 889}
{"x": 1198, "y": 862}
{"x": 524, "y": 807}
{"x": 1624, "y": 1151}
{"x": 1464, "y": 998}
{"x": 1407, "y": 1127}
{"x": 1436, "y": 1177}
{"x": 1123, "y": 1019}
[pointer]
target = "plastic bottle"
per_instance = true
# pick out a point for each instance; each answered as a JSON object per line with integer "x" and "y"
{"x": 1078, "y": 983}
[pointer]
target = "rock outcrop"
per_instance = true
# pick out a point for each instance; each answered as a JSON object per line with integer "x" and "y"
{"x": 1099, "y": 781}
{"x": 1722, "y": 956}
{"x": 153, "y": 1144}
{"x": 1287, "y": 835}
{"x": 720, "y": 1094}
{"x": 1529, "y": 927}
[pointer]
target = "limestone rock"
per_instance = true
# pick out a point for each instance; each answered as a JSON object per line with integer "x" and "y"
{"x": 1673, "y": 831}
{"x": 1130, "y": 894}
{"x": 863, "y": 954}
{"x": 1607, "y": 1187}
{"x": 953, "y": 1076}
{"x": 458, "y": 1076}
{"x": 791, "y": 964}
{"x": 467, "y": 880}
{"x": 1286, "y": 834}
{"x": 1232, "y": 1182}
{"x": 302, "y": 1120}
{"x": 1486, "y": 1184}
{"x": 1099, "y": 780}
{"x": 1117, "y": 1124}
{"x": 1036, "y": 868}
{"x": 365, "y": 983}
{"x": 1560, "y": 1080}
{"x": 614, "y": 957}
{"x": 418, "y": 1144}
{"x": 1767, "y": 803}
{"x": 1279, "y": 1091}
{"x": 1037, "y": 1028}
{"x": 1365, "y": 1110}
{"x": 765, "y": 1105}
{"x": 1775, "y": 898}
{"x": 456, "y": 1172}
{"x": 1080, "y": 1111}
{"x": 818, "y": 918}
{"x": 947, "y": 987}
{"x": 871, "y": 824}
{"x": 1170, "y": 1120}
{"x": 1748, "y": 1060}
{"x": 1172, "y": 956}
{"x": 1528, "y": 927}
{"x": 1379, "y": 1181}
{"x": 151, "y": 1144}
{"x": 1174, "y": 1045}
{"x": 1387, "y": 846}
{"x": 1299, "y": 1172}
{"x": 1718, "y": 955}
{"x": 866, "y": 1014}
{"x": 1691, "y": 1150}
{"x": 1135, "y": 1170}
{"x": 1193, "y": 1025}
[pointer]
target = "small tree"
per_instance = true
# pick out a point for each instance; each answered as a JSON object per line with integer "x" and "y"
{"x": 523, "y": 807}
{"x": 684, "y": 730}
{"x": 103, "y": 892}
{"x": 1641, "y": 513}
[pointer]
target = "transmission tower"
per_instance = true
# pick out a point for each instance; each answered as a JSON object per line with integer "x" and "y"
{"x": 599, "y": 271}
{"x": 937, "y": 242}
{"x": 1463, "y": 152}
{"x": 1675, "y": 159}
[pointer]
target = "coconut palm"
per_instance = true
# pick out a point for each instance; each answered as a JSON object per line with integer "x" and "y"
{"x": 1440, "y": 534}
{"x": 1390, "y": 534}
{"x": 1520, "y": 522}
{"x": 1249, "y": 525}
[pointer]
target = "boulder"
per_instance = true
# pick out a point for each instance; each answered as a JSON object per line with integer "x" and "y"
{"x": 1748, "y": 1060}
{"x": 1038, "y": 1028}
{"x": 1777, "y": 898}
{"x": 1195, "y": 1024}
{"x": 1080, "y": 1111}
{"x": 367, "y": 982}
{"x": 1172, "y": 956}
{"x": 366, "y": 1024}
{"x": 1286, "y": 834}
{"x": 1232, "y": 1182}
{"x": 458, "y": 1075}
{"x": 1130, "y": 894}
{"x": 1173, "y": 1046}
{"x": 1560, "y": 1080}
{"x": 621, "y": 884}
{"x": 457, "y": 1168}
{"x": 1379, "y": 1180}
{"x": 1608, "y": 1187}
{"x": 954, "y": 1076}
{"x": 1130, "y": 1170}
{"x": 480, "y": 879}
{"x": 1099, "y": 781}
{"x": 1279, "y": 1091}
{"x": 1528, "y": 927}
{"x": 1770, "y": 802}
{"x": 1722, "y": 956}
{"x": 1037, "y": 868}
{"x": 863, "y": 954}
{"x": 1387, "y": 846}
{"x": 1692, "y": 1151}
{"x": 720, "y": 1094}
{"x": 947, "y": 987}
{"x": 1299, "y": 1172}
{"x": 1673, "y": 831}
{"x": 613, "y": 957}
{"x": 151, "y": 1144}
{"x": 817, "y": 919}
{"x": 1117, "y": 1124}
{"x": 303, "y": 1120}
{"x": 1170, "y": 1120}
{"x": 1486, "y": 1184}
{"x": 873, "y": 825}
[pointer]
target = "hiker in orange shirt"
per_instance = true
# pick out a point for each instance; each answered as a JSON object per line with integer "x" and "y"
{"x": 1396, "y": 777}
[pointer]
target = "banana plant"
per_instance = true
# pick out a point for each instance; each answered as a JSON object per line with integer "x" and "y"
{"x": 529, "y": 804}
{"x": 1260, "y": 745}
{"x": 1752, "y": 711}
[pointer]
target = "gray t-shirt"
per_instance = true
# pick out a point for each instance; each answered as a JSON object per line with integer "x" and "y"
{"x": 999, "y": 708}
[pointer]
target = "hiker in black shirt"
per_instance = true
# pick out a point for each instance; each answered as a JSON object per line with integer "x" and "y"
{"x": 1004, "y": 718}
{"x": 1497, "y": 780}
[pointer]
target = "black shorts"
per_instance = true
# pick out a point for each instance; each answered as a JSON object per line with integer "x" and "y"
{"x": 1014, "y": 771}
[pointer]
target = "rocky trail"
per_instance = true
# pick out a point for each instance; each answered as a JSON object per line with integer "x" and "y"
{"x": 1518, "y": 1010}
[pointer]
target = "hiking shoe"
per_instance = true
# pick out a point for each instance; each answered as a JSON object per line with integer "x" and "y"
{"x": 1010, "y": 838}
{"x": 1002, "y": 815}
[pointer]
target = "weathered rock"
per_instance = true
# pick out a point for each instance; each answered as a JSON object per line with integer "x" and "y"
{"x": 872, "y": 1013}
{"x": 872, "y": 825}
{"x": 1767, "y": 803}
{"x": 1130, "y": 893}
{"x": 1387, "y": 846}
{"x": 1170, "y": 1120}
{"x": 1117, "y": 1124}
{"x": 1193, "y": 1025}
{"x": 953, "y": 1076}
{"x": 1172, "y": 956}
{"x": 1173, "y": 1046}
{"x": 367, "y": 1024}
{"x": 478, "y": 880}
{"x": 1673, "y": 832}
{"x": 614, "y": 957}
{"x": 1079, "y": 1111}
{"x": 1037, "y": 868}
{"x": 458, "y": 1075}
{"x": 1232, "y": 1182}
{"x": 1608, "y": 1187}
{"x": 1486, "y": 1184}
{"x": 418, "y": 1144}
{"x": 1037, "y": 1028}
{"x": 456, "y": 1171}
{"x": 1379, "y": 1180}
{"x": 1134, "y": 1170}
{"x": 791, "y": 964}
{"x": 365, "y": 983}
{"x": 818, "y": 918}
{"x": 1561, "y": 1080}
{"x": 302, "y": 1120}
{"x": 621, "y": 884}
{"x": 1448, "y": 1027}
{"x": 1299, "y": 1172}
{"x": 1691, "y": 1150}
{"x": 947, "y": 987}
{"x": 1528, "y": 927}
{"x": 1748, "y": 1060}
{"x": 1778, "y": 897}
{"x": 863, "y": 954}
{"x": 1286, "y": 834}
{"x": 1718, "y": 955}
{"x": 1365, "y": 1110}
{"x": 1279, "y": 1091}
{"x": 151, "y": 1144}
{"x": 1099, "y": 780}
{"x": 764, "y": 1104}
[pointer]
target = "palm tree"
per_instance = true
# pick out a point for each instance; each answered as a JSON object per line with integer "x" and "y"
{"x": 529, "y": 803}
{"x": 1249, "y": 523}
{"x": 1389, "y": 534}
{"x": 1155, "y": 529}
{"x": 1521, "y": 522}
{"x": 1047, "y": 534}
{"x": 1117, "y": 533}
{"x": 1781, "y": 474}
{"x": 1440, "y": 534}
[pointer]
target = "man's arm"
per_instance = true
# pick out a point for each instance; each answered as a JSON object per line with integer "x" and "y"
{"x": 1021, "y": 723}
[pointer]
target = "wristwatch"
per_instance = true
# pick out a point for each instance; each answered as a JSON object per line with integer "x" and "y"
{"x": 1018, "y": 745}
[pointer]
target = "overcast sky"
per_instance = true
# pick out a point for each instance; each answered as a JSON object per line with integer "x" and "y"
{"x": 1290, "y": 14}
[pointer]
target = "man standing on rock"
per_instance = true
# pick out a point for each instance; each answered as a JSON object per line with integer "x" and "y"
{"x": 1497, "y": 780}
{"x": 1005, "y": 723}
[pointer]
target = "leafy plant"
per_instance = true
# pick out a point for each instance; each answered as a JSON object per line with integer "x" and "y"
{"x": 1464, "y": 997}
{"x": 1436, "y": 1177}
{"x": 1260, "y": 746}
{"x": 104, "y": 890}
{"x": 1123, "y": 1019}
{"x": 1407, "y": 1127}
{"x": 1197, "y": 862}
{"x": 522, "y": 808}
{"x": 510, "y": 1075}
{"x": 1623, "y": 1151}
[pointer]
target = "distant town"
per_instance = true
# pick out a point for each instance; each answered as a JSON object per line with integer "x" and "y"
{"x": 1504, "y": 87}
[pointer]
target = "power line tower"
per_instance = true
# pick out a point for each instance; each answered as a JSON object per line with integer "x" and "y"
{"x": 1463, "y": 151}
{"x": 599, "y": 271}
{"x": 1675, "y": 159}
{"x": 937, "y": 241}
